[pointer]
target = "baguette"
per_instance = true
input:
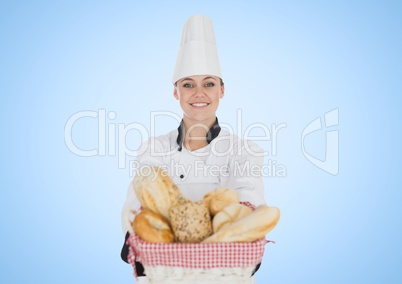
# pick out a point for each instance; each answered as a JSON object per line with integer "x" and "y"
{"x": 220, "y": 198}
{"x": 156, "y": 191}
{"x": 229, "y": 214}
{"x": 249, "y": 228}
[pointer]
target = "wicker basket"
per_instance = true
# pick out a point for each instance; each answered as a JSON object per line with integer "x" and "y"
{"x": 196, "y": 262}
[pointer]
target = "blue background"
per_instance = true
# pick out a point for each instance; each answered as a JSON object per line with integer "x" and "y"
{"x": 282, "y": 62}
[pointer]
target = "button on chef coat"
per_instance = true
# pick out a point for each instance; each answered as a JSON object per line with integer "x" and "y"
{"x": 226, "y": 161}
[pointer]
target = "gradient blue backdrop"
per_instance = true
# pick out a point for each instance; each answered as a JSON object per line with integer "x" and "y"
{"x": 282, "y": 61}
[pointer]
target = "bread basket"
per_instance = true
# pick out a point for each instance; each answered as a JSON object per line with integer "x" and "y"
{"x": 196, "y": 262}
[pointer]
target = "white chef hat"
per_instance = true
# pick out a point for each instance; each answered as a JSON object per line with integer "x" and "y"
{"x": 197, "y": 54}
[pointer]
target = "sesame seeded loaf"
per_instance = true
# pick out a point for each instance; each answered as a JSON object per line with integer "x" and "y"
{"x": 191, "y": 222}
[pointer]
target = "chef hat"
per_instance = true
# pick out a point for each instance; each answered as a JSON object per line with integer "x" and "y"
{"x": 197, "y": 54}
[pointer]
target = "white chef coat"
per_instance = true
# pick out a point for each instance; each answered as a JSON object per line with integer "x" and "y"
{"x": 227, "y": 161}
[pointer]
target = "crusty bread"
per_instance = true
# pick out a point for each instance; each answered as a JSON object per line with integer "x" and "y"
{"x": 229, "y": 214}
{"x": 249, "y": 228}
{"x": 191, "y": 222}
{"x": 156, "y": 191}
{"x": 220, "y": 198}
{"x": 152, "y": 227}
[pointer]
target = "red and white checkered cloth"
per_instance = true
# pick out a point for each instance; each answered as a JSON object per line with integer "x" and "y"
{"x": 196, "y": 255}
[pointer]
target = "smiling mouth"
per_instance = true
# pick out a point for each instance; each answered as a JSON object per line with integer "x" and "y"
{"x": 199, "y": 104}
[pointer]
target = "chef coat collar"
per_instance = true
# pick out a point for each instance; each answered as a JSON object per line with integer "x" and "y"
{"x": 212, "y": 133}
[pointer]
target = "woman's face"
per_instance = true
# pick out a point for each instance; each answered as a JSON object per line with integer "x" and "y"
{"x": 199, "y": 97}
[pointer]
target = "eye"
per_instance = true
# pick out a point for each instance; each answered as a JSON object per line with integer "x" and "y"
{"x": 209, "y": 84}
{"x": 187, "y": 85}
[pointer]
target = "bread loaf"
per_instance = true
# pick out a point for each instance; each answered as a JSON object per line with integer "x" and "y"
{"x": 249, "y": 228}
{"x": 220, "y": 198}
{"x": 156, "y": 191}
{"x": 191, "y": 222}
{"x": 229, "y": 214}
{"x": 152, "y": 227}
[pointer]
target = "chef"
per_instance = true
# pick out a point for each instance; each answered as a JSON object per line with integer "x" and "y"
{"x": 200, "y": 156}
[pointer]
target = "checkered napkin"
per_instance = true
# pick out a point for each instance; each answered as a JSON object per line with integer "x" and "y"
{"x": 195, "y": 255}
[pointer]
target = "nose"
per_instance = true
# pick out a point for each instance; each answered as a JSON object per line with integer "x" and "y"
{"x": 199, "y": 92}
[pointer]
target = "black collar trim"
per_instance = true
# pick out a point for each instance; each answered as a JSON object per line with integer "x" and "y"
{"x": 212, "y": 133}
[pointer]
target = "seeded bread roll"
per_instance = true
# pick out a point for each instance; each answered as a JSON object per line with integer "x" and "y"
{"x": 152, "y": 227}
{"x": 191, "y": 222}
